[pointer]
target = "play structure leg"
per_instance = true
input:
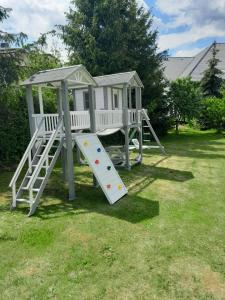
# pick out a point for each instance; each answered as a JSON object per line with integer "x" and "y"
{"x": 69, "y": 147}
{"x": 127, "y": 154}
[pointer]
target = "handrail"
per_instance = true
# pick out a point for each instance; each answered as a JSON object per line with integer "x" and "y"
{"x": 26, "y": 154}
{"x": 43, "y": 156}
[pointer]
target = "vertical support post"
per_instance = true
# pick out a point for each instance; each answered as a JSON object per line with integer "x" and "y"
{"x": 92, "y": 118}
{"x": 138, "y": 101}
{"x": 30, "y": 106}
{"x": 105, "y": 92}
{"x": 40, "y": 98}
{"x": 126, "y": 126}
{"x": 74, "y": 100}
{"x": 92, "y": 108}
{"x": 75, "y": 109}
{"x": 130, "y": 97}
{"x": 60, "y": 112}
{"x": 68, "y": 135}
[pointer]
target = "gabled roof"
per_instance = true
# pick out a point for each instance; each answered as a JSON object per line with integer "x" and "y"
{"x": 75, "y": 75}
{"x": 180, "y": 67}
{"x": 174, "y": 66}
{"x": 131, "y": 78}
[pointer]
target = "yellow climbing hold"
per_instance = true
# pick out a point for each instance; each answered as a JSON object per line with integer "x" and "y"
{"x": 120, "y": 187}
{"x": 85, "y": 143}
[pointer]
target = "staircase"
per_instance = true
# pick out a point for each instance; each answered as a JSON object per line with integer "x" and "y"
{"x": 40, "y": 158}
{"x": 150, "y": 132}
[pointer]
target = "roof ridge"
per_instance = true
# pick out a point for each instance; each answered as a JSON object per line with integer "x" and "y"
{"x": 60, "y": 68}
{"x": 201, "y": 58}
{"x": 181, "y": 57}
{"x": 115, "y": 74}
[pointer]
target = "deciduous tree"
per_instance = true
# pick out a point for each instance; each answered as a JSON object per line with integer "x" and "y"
{"x": 117, "y": 36}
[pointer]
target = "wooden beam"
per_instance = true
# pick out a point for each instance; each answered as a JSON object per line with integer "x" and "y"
{"x": 63, "y": 151}
{"x": 40, "y": 98}
{"x": 138, "y": 101}
{"x": 30, "y": 106}
{"x": 74, "y": 100}
{"x": 68, "y": 136}
{"x": 125, "y": 127}
{"x": 105, "y": 93}
{"x": 92, "y": 108}
{"x": 130, "y": 97}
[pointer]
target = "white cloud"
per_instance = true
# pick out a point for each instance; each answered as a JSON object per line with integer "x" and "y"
{"x": 34, "y": 16}
{"x": 175, "y": 40}
{"x": 188, "y": 53}
{"x": 202, "y": 19}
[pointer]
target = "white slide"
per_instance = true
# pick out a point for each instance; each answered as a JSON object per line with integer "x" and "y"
{"x": 102, "y": 166}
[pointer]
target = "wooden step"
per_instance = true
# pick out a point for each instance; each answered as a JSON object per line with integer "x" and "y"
{"x": 24, "y": 201}
{"x": 26, "y": 189}
{"x": 41, "y": 167}
{"x": 49, "y": 156}
{"x": 38, "y": 178}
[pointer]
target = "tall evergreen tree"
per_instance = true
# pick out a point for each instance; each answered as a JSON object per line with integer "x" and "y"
{"x": 212, "y": 81}
{"x": 111, "y": 36}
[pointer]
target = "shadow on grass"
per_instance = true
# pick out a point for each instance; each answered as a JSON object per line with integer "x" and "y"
{"x": 203, "y": 145}
{"x": 132, "y": 208}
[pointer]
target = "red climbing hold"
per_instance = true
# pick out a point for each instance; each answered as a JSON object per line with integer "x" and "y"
{"x": 97, "y": 162}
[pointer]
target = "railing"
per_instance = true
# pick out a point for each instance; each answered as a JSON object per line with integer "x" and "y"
{"x": 26, "y": 157}
{"x": 81, "y": 120}
{"x": 42, "y": 160}
{"x": 134, "y": 116}
{"x": 49, "y": 124}
{"x": 108, "y": 119}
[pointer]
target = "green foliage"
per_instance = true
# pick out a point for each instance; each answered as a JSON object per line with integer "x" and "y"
{"x": 184, "y": 100}
{"x": 14, "y": 125}
{"x": 212, "y": 81}
{"x": 117, "y": 36}
{"x": 3, "y": 13}
{"x": 214, "y": 112}
{"x": 15, "y": 65}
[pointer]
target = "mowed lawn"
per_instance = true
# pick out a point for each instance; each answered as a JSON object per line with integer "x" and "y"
{"x": 165, "y": 240}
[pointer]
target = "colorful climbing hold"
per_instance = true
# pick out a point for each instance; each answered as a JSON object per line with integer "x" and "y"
{"x": 85, "y": 143}
{"x": 108, "y": 186}
{"x": 120, "y": 187}
{"x": 97, "y": 162}
{"x": 99, "y": 150}
{"x": 109, "y": 168}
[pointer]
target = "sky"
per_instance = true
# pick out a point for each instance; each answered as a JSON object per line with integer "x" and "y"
{"x": 185, "y": 26}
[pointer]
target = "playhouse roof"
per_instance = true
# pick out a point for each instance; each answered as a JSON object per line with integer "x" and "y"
{"x": 75, "y": 75}
{"x": 131, "y": 78}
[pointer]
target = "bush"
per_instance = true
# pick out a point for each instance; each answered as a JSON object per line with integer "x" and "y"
{"x": 14, "y": 125}
{"x": 213, "y": 113}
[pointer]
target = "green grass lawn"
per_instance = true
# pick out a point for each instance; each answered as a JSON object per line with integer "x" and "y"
{"x": 165, "y": 240}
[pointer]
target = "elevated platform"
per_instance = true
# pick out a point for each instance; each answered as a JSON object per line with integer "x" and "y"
{"x": 80, "y": 120}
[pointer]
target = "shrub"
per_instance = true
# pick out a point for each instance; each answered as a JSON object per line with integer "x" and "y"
{"x": 213, "y": 113}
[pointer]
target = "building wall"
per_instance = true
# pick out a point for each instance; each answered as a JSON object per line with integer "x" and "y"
{"x": 99, "y": 98}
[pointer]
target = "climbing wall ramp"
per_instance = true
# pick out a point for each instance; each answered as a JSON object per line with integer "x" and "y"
{"x": 102, "y": 166}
